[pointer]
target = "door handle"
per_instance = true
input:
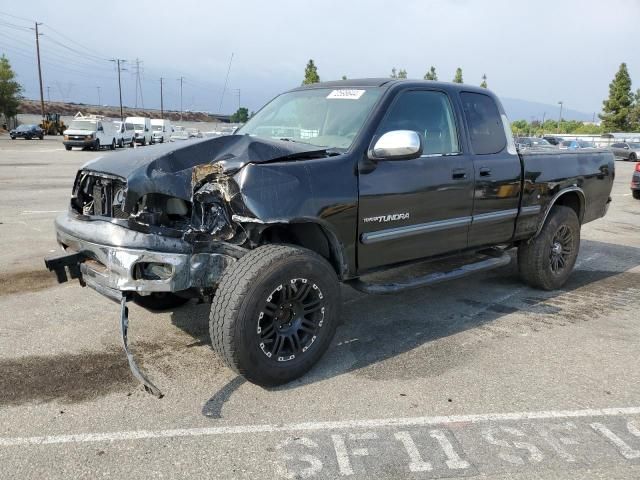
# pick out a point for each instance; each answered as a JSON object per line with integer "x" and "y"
{"x": 485, "y": 172}
{"x": 459, "y": 173}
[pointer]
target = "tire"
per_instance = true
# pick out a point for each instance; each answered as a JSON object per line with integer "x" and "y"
{"x": 162, "y": 140}
{"x": 120, "y": 143}
{"x": 132, "y": 144}
{"x": 247, "y": 339}
{"x": 13, "y": 138}
{"x": 636, "y": 194}
{"x": 144, "y": 141}
{"x": 67, "y": 148}
{"x": 160, "y": 301}
{"x": 96, "y": 145}
{"x": 633, "y": 157}
{"x": 113, "y": 144}
{"x": 41, "y": 137}
{"x": 547, "y": 261}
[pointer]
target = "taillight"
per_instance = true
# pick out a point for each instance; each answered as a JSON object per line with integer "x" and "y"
{"x": 638, "y": 167}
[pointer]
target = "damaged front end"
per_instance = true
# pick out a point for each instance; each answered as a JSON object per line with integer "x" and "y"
{"x": 165, "y": 224}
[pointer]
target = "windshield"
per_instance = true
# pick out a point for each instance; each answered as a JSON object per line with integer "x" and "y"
{"x": 82, "y": 125}
{"x": 24, "y": 128}
{"x": 634, "y": 145}
{"x": 584, "y": 144}
{"x": 321, "y": 116}
{"x": 138, "y": 126}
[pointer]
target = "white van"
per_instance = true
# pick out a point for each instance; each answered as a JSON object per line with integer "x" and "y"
{"x": 161, "y": 130}
{"x": 90, "y": 131}
{"x": 142, "y": 126}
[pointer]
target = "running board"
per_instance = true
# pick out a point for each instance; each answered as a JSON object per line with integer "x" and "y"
{"x": 497, "y": 258}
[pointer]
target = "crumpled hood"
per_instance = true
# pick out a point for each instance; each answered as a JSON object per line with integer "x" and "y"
{"x": 167, "y": 169}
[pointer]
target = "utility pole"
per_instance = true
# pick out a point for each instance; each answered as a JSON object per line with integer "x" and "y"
{"x": 39, "y": 70}
{"x": 118, "y": 62}
{"x": 161, "y": 100}
{"x": 544, "y": 114}
{"x": 181, "y": 79}
{"x": 99, "y": 99}
{"x": 559, "y": 117}
{"x": 48, "y": 94}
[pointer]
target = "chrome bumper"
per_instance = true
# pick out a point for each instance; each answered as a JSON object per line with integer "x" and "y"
{"x": 110, "y": 254}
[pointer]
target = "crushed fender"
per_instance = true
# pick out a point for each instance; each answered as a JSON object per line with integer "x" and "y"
{"x": 124, "y": 327}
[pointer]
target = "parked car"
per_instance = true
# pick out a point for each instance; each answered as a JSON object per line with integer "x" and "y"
{"x": 635, "y": 182}
{"x": 142, "y": 126}
{"x": 576, "y": 144}
{"x": 125, "y": 134}
{"x": 179, "y": 133}
{"x": 27, "y": 132}
{"x": 532, "y": 142}
{"x": 626, "y": 150}
{"x": 194, "y": 133}
{"x": 161, "y": 130}
{"x": 90, "y": 131}
{"x": 553, "y": 140}
{"x": 376, "y": 173}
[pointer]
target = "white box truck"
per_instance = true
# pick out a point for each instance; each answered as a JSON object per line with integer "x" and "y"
{"x": 142, "y": 127}
{"x": 161, "y": 130}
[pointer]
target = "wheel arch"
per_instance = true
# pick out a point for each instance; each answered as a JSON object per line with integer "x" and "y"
{"x": 310, "y": 235}
{"x": 572, "y": 197}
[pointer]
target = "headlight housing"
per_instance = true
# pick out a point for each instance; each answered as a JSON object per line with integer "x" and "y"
{"x": 161, "y": 210}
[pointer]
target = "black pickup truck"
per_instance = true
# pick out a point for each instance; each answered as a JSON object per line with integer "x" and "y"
{"x": 327, "y": 183}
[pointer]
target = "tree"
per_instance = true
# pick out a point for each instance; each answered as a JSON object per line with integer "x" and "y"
{"x": 484, "y": 81}
{"x": 393, "y": 73}
{"x": 10, "y": 90}
{"x": 344, "y": 77}
{"x": 616, "y": 109}
{"x": 311, "y": 73}
{"x": 402, "y": 73}
{"x": 431, "y": 74}
{"x": 458, "y": 77}
{"x": 241, "y": 116}
{"x": 634, "y": 114}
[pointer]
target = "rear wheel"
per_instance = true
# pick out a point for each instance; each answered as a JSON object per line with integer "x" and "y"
{"x": 633, "y": 157}
{"x": 547, "y": 261}
{"x": 144, "y": 141}
{"x": 96, "y": 145}
{"x": 275, "y": 313}
{"x": 160, "y": 301}
{"x": 113, "y": 144}
{"x": 636, "y": 194}
{"x": 120, "y": 143}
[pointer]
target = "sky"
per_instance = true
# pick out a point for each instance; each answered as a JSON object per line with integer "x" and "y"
{"x": 541, "y": 50}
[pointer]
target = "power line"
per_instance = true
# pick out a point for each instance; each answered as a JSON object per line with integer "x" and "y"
{"x": 225, "y": 84}
{"x": 17, "y": 17}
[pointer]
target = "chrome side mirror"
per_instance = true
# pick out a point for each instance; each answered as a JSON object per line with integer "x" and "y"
{"x": 397, "y": 145}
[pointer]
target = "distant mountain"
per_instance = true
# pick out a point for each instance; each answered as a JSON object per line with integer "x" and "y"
{"x": 523, "y": 110}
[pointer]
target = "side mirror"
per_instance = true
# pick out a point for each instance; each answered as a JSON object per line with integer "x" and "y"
{"x": 397, "y": 145}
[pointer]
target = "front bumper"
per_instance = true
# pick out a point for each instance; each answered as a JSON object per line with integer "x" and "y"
{"x": 112, "y": 259}
{"x": 78, "y": 143}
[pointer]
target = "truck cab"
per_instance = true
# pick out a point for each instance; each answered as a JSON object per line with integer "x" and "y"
{"x": 161, "y": 130}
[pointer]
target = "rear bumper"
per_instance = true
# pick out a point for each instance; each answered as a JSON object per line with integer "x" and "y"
{"x": 113, "y": 259}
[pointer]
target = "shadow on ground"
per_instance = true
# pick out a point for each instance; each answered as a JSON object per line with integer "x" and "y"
{"x": 379, "y": 336}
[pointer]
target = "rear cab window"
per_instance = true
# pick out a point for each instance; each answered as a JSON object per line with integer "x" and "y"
{"x": 486, "y": 130}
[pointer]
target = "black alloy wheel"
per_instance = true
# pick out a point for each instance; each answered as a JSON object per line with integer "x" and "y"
{"x": 561, "y": 249}
{"x": 290, "y": 320}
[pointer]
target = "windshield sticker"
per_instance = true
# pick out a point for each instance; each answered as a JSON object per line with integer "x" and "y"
{"x": 349, "y": 94}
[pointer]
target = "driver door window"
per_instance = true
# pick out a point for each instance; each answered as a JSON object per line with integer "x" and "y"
{"x": 429, "y": 113}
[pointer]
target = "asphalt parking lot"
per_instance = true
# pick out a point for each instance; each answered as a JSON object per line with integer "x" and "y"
{"x": 478, "y": 377}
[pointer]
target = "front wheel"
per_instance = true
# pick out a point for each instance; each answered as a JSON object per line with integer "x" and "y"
{"x": 636, "y": 194}
{"x": 67, "y": 147}
{"x": 633, "y": 157}
{"x": 113, "y": 144}
{"x": 274, "y": 313}
{"x": 144, "y": 141}
{"x": 96, "y": 145}
{"x": 546, "y": 261}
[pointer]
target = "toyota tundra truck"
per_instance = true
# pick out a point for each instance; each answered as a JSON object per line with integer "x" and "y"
{"x": 328, "y": 183}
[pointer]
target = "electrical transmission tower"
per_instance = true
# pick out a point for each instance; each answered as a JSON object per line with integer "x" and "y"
{"x": 137, "y": 71}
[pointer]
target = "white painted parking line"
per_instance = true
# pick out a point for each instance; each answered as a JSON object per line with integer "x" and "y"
{"x": 315, "y": 426}
{"x": 34, "y": 212}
